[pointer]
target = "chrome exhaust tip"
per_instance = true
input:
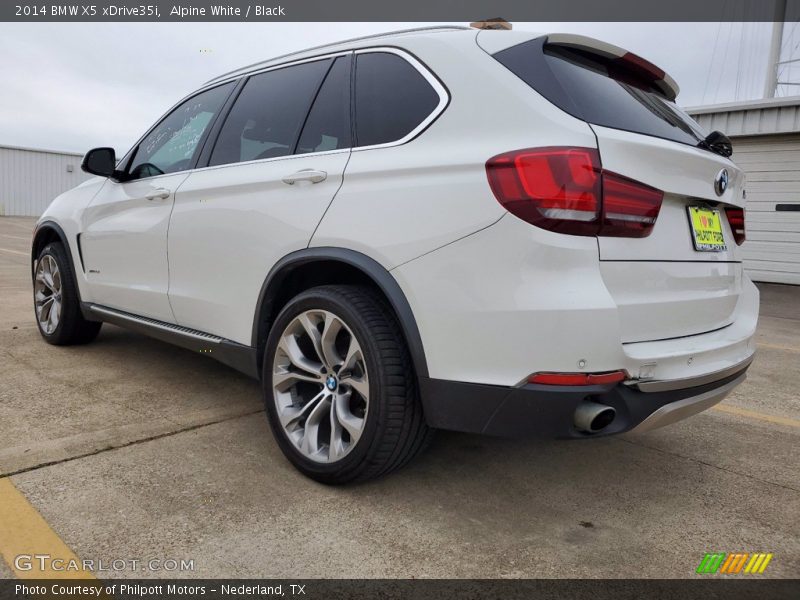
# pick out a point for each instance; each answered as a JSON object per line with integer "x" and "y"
{"x": 591, "y": 417}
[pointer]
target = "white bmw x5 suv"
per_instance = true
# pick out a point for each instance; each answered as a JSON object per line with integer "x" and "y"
{"x": 485, "y": 231}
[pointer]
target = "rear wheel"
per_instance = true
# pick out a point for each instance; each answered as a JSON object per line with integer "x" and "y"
{"x": 56, "y": 301}
{"x": 339, "y": 388}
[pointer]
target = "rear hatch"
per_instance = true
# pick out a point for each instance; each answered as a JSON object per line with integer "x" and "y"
{"x": 670, "y": 283}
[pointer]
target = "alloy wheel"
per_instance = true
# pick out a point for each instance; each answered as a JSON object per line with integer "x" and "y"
{"x": 320, "y": 386}
{"x": 47, "y": 294}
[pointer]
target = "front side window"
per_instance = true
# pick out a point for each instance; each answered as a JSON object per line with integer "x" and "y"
{"x": 172, "y": 145}
{"x": 392, "y": 98}
{"x": 266, "y": 118}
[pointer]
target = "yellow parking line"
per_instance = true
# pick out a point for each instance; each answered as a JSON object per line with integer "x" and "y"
{"x": 24, "y": 533}
{"x": 743, "y": 412}
{"x": 14, "y": 251}
{"x": 775, "y": 347}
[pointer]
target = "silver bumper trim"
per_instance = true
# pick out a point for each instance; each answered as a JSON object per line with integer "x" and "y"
{"x": 688, "y": 382}
{"x": 676, "y": 411}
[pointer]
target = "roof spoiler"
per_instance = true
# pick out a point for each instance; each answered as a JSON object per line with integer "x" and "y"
{"x": 635, "y": 63}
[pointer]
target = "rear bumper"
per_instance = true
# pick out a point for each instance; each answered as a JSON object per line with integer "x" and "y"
{"x": 548, "y": 411}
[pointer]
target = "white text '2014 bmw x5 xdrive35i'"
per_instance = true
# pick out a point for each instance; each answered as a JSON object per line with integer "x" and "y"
{"x": 485, "y": 231}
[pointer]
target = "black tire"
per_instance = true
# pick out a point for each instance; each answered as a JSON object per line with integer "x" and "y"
{"x": 72, "y": 328}
{"x": 395, "y": 430}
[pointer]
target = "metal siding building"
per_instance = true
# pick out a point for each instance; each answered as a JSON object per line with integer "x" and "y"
{"x": 30, "y": 179}
{"x": 766, "y": 145}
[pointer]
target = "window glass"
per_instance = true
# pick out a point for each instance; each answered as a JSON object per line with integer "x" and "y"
{"x": 599, "y": 91}
{"x": 171, "y": 146}
{"x": 328, "y": 123}
{"x": 267, "y": 116}
{"x": 391, "y": 99}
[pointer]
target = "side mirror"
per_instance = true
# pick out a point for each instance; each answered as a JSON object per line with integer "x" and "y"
{"x": 100, "y": 161}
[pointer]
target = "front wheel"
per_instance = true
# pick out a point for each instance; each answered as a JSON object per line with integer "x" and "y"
{"x": 56, "y": 301}
{"x": 339, "y": 387}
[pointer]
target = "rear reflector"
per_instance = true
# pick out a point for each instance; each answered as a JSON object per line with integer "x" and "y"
{"x": 565, "y": 190}
{"x": 736, "y": 221}
{"x": 578, "y": 378}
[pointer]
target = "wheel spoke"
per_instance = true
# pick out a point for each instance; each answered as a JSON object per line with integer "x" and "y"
{"x": 359, "y": 384}
{"x": 311, "y": 441}
{"x": 336, "y": 448}
{"x": 295, "y": 355}
{"x": 289, "y": 415}
{"x": 310, "y": 327}
{"x": 52, "y": 318}
{"x": 353, "y": 424}
{"x": 353, "y": 355}
{"x": 47, "y": 273}
{"x": 285, "y": 379}
{"x": 43, "y": 310}
{"x": 332, "y": 328}
{"x": 40, "y": 278}
{"x": 56, "y": 281}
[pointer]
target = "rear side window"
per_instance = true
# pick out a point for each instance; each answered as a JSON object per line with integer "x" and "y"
{"x": 328, "y": 124}
{"x": 391, "y": 98}
{"x": 266, "y": 118}
{"x": 598, "y": 91}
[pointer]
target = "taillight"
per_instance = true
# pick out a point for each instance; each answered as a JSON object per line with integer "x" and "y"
{"x": 736, "y": 221}
{"x": 565, "y": 190}
{"x": 630, "y": 208}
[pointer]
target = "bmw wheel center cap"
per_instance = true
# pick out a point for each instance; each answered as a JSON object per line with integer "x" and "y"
{"x": 331, "y": 383}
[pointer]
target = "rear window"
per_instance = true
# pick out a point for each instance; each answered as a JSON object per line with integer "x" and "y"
{"x": 595, "y": 90}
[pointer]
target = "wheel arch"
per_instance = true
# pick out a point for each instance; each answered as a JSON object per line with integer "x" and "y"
{"x": 319, "y": 266}
{"x": 45, "y": 233}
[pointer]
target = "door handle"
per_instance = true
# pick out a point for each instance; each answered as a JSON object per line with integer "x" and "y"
{"x": 158, "y": 194}
{"x": 305, "y": 175}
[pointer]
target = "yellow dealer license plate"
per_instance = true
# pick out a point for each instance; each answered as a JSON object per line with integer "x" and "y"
{"x": 706, "y": 229}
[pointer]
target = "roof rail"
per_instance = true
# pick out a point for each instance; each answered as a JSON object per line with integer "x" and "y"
{"x": 322, "y": 46}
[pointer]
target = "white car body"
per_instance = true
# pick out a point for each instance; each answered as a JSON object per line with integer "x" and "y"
{"x": 493, "y": 298}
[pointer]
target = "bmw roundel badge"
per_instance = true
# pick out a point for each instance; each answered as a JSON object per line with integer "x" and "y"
{"x": 721, "y": 182}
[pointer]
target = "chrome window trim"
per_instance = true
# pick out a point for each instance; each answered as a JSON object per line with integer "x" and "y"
{"x": 270, "y": 160}
{"x": 293, "y": 63}
{"x": 433, "y": 81}
{"x": 246, "y": 70}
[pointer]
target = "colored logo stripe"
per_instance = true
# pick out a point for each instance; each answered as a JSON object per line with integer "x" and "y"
{"x": 711, "y": 562}
{"x": 758, "y": 563}
{"x": 733, "y": 563}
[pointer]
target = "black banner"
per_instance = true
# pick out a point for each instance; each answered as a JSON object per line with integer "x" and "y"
{"x": 406, "y": 10}
{"x": 742, "y": 588}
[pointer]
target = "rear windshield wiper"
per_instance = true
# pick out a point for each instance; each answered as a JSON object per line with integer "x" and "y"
{"x": 718, "y": 142}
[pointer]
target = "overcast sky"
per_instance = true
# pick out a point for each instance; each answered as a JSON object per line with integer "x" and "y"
{"x": 74, "y": 86}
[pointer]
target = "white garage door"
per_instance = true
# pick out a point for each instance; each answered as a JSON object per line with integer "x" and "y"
{"x": 772, "y": 164}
